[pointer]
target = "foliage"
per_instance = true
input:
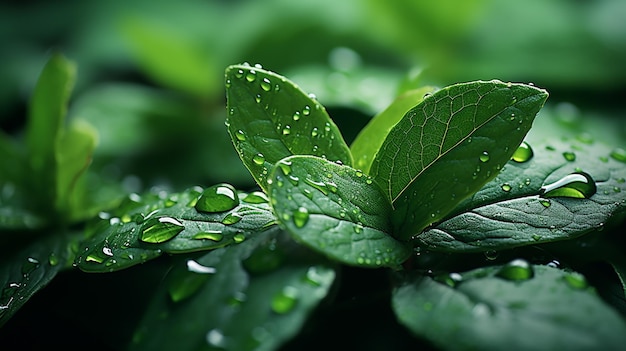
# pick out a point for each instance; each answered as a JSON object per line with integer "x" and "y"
{"x": 476, "y": 215}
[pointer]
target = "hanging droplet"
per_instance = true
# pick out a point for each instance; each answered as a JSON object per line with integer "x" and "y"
{"x": 579, "y": 185}
{"x": 491, "y": 255}
{"x": 251, "y": 76}
{"x": 256, "y": 197}
{"x": 516, "y": 270}
{"x": 258, "y": 159}
{"x": 569, "y": 156}
{"x": 213, "y": 235}
{"x": 218, "y": 198}
{"x": 161, "y": 229}
{"x": 506, "y": 187}
{"x": 523, "y": 153}
{"x": 266, "y": 84}
{"x": 232, "y": 218}
{"x": 285, "y": 300}
{"x": 619, "y": 154}
{"x": 484, "y": 157}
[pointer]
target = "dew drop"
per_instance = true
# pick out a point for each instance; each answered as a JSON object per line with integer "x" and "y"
{"x": 285, "y": 167}
{"x": 358, "y": 228}
{"x": 523, "y": 153}
{"x": 619, "y": 154}
{"x": 217, "y": 198}
{"x": 569, "y": 156}
{"x": 53, "y": 260}
{"x": 307, "y": 110}
{"x": 258, "y": 159}
{"x": 94, "y": 258}
{"x": 287, "y": 130}
{"x": 506, "y": 187}
{"x": 256, "y": 197}
{"x": 314, "y": 132}
{"x": 161, "y": 229}
{"x": 213, "y": 235}
{"x": 285, "y": 300}
{"x": 451, "y": 280}
{"x": 516, "y": 270}
{"x": 484, "y": 157}
{"x": 300, "y": 217}
{"x": 232, "y": 218}
{"x": 239, "y": 238}
{"x": 251, "y": 76}
{"x": 266, "y": 84}
{"x": 317, "y": 185}
{"x": 239, "y": 73}
{"x": 579, "y": 185}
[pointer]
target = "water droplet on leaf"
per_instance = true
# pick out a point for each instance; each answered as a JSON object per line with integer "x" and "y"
{"x": 158, "y": 230}
{"x": 578, "y": 185}
{"x": 506, "y": 187}
{"x": 516, "y": 270}
{"x": 239, "y": 238}
{"x": 232, "y": 218}
{"x": 285, "y": 300}
{"x": 266, "y": 84}
{"x": 213, "y": 235}
{"x": 523, "y": 153}
{"x": 301, "y": 217}
{"x": 484, "y": 157}
{"x": 218, "y": 198}
{"x": 251, "y": 76}
{"x": 569, "y": 156}
{"x": 258, "y": 159}
{"x": 619, "y": 154}
{"x": 256, "y": 197}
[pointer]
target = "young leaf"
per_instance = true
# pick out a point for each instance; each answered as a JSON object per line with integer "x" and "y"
{"x": 513, "y": 306}
{"x": 335, "y": 210}
{"x": 369, "y": 140}
{"x": 270, "y": 118}
{"x": 74, "y": 149}
{"x": 31, "y": 269}
{"x": 47, "y": 109}
{"x": 232, "y": 299}
{"x": 514, "y": 209}
{"x": 197, "y": 219}
{"x": 448, "y": 146}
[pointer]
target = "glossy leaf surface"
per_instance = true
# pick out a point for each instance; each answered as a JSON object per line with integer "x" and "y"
{"x": 335, "y": 210}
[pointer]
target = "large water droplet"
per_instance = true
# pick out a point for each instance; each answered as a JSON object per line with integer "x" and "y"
{"x": 576, "y": 280}
{"x": 578, "y": 185}
{"x": 161, "y": 229}
{"x": 523, "y": 153}
{"x": 239, "y": 238}
{"x": 285, "y": 300}
{"x": 300, "y": 217}
{"x": 240, "y": 135}
{"x": 516, "y": 270}
{"x": 218, "y": 198}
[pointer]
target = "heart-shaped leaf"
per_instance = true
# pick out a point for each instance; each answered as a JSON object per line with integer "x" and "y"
{"x": 143, "y": 228}
{"x": 516, "y": 306}
{"x": 450, "y": 145}
{"x": 336, "y": 210}
{"x": 270, "y": 118}
{"x": 515, "y": 209}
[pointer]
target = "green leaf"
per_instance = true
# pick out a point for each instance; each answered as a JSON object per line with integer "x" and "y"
{"x": 74, "y": 150}
{"x": 450, "y": 145}
{"x": 229, "y": 299}
{"x": 335, "y": 210}
{"x": 30, "y": 269}
{"x": 270, "y": 118}
{"x": 172, "y": 57}
{"x": 370, "y": 139}
{"x": 46, "y": 114}
{"x": 510, "y": 211}
{"x": 144, "y": 227}
{"x": 516, "y": 305}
